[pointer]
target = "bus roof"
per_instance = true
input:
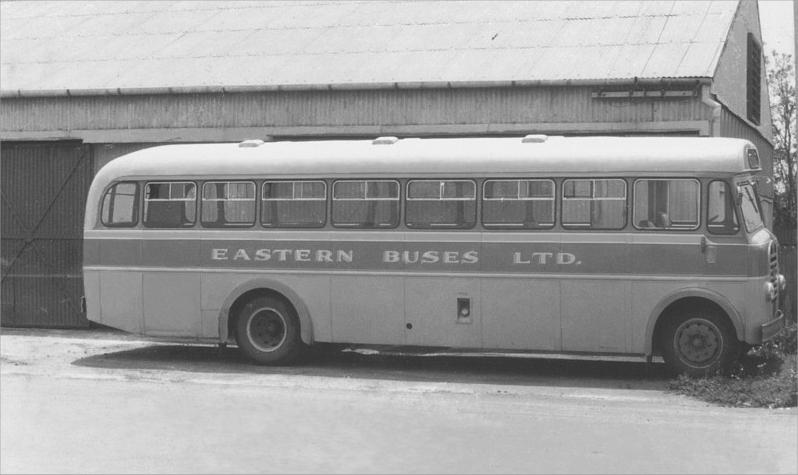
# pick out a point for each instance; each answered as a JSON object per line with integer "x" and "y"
{"x": 444, "y": 157}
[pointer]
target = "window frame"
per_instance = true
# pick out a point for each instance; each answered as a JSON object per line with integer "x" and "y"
{"x": 164, "y": 182}
{"x": 136, "y": 205}
{"x": 739, "y": 204}
{"x": 734, "y": 210}
{"x": 519, "y": 225}
{"x": 325, "y": 199}
{"x": 475, "y": 199}
{"x": 670, "y": 229}
{"x": 398, "y": 200}
{"x": 254, "y": 199}
{"x": 578, "y": 227}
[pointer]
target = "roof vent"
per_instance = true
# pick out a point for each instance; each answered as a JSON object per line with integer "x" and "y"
{"x": 251, "y": 143}
{"x": 534, "y": 138}
{"x": 385, "y": 141}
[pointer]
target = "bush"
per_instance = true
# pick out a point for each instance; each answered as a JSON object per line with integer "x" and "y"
{"x": 758, "y": 383}
{"x": 766, "y": 376}
{"x": 785, "y": 342}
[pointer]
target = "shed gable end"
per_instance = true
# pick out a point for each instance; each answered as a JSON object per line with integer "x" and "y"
{"x": 740, "y": 81}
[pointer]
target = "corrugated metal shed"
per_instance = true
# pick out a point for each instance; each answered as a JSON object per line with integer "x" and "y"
{"x": 58, "y": 46}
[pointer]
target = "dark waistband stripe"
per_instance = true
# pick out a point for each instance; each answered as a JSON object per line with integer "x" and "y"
{"x": 680, "y": 259}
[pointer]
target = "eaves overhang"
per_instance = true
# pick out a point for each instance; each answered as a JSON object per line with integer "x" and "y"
{"x": 664, "y": 82}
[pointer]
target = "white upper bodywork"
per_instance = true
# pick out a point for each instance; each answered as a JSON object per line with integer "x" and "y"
{"x": 454, "y": 157}
{"x": 451, "y": 157}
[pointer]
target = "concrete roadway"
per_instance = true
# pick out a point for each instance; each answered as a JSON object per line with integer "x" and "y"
{"x": 89, "y": 402}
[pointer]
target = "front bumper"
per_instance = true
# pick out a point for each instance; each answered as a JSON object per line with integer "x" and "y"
{"x": 773, "y": 327}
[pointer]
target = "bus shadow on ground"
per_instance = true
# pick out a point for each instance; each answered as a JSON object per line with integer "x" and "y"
{"x": 342, "y": 363}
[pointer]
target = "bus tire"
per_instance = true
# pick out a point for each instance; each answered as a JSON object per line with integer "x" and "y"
{"x": 698, "y": 342}
{"x": 267, "y": 331}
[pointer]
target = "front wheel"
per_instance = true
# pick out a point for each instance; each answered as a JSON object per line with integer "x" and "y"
{"x": 267, "y": 331}
{"x": 698, "y": 343}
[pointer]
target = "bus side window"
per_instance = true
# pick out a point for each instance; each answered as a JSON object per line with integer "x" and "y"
{"x": 228, "y": 203}
{"x": 519, "y": 204}
{"x": 170, "y": 204}
{"x": 294, "y": 204}
{"x": 721, "y": 217}
{"x": 666, "y": 204}
{"x": 594, "y": 204}
{"x": 365, "y": 203}
{"x": 441, "y": 204}
{"x": 120, "y": 205}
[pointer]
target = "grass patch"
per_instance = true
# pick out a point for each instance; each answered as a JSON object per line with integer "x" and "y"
{"x": 767, "y": 376}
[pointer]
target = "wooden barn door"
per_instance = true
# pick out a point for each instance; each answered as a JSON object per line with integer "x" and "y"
{"x": 44, "y": 187}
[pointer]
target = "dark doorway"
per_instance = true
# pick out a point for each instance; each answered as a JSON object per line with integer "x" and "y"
{"x": 44, "y": 187}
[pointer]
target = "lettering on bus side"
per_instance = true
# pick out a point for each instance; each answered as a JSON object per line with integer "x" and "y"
{"x": 430, "y": 257}
{"x": 543, "y": 258}
{"x": 371, "y": 256}
{"x": 283, "y": 255}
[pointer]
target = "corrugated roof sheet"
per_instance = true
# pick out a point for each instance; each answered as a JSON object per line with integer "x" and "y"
{"x": 101, "y": 45}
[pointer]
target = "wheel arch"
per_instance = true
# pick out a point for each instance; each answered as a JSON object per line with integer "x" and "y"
{"x": 267, "y": 286}
{"x": 675, "y": 298}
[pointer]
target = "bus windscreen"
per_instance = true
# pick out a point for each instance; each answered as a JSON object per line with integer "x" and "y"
{"x": 750, "y": 207}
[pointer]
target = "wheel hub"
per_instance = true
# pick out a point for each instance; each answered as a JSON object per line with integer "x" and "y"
{"x": 698, "y": 341}
{"x": 267, "y": 330}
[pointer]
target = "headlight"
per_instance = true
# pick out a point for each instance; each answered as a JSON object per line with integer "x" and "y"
{"x": 770, "y": 291}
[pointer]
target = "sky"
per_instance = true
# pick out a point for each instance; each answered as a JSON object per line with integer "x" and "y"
{"x": 778, "y": 25}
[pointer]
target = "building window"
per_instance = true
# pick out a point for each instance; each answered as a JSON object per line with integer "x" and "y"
{"x": 594, "y": 204}
{"x": 666, "y": 204}
{"x": 294, "y": 204}
{"x": 228, "y": 203}
{"x": 441, "y": 204}
{"x": 120, "y": 205}
{"x": 754, "y": 86}
{"x": 170, "y": 204}
{"x": 365, "y": 203}
{"x": 522, "y": 204}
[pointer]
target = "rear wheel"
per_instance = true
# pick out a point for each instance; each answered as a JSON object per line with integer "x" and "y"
{"x": 267, "y": 331}
{"x": 698, "y": 342}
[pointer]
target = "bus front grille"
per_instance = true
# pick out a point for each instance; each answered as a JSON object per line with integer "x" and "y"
{"x": 773, "y": 253}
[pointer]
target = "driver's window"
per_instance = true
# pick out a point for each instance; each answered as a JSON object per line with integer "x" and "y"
{"x": 721, "y": 218}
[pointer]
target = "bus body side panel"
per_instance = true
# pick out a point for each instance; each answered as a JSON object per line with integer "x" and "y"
{"x": 595, "y": 315}
{"x": 118, "y": 300}
{"x": 172, "y": 304}
{"x": 91, "y": 292}
{"x": 121, "y": 300}
{"x": 432, "y": 310}
{"x": 367, "y": 309}
{"x": 595, "y": 308}
{"x": 521, "y": 313}
{"x": 171, "y": 291}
